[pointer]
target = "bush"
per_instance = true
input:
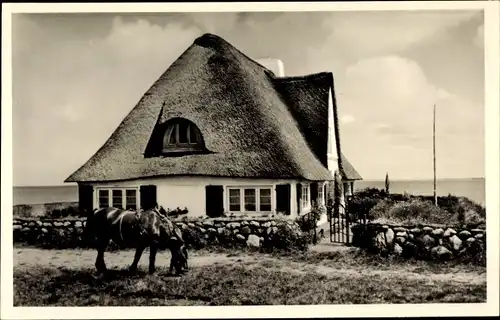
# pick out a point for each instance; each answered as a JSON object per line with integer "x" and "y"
{"x": 411, "y": 212}
{"x": 360, "y": 207}
{"x": 289, "y": 237}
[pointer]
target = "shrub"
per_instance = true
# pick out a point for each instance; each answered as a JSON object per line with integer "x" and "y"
{"x": 360, "y": 207}
{"x": 411, "y": 212}
{"x": 193, "y": 238}
{"x": 289, "y": 237}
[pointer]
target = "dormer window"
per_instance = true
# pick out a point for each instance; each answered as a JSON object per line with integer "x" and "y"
{"x": 182, "y": 136}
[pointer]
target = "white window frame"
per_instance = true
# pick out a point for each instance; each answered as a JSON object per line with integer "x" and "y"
{"x": 305, "y": 197}
{"x": 257, "y": 199}
{"x": 321, "y": 193}
{"x": 124, "y": 196}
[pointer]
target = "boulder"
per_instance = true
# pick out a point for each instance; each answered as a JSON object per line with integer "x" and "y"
{"x": 400, "y": 240}
{"x": 212, "y": 230}
{"x": 428, "y": 229}
{"x": 416, "y": 231}
{"x": 438, "y": 232}
{"x": 380, "y": 243}
{"x": 389, "y": 237}
{"x": 44, "y": 230}
{"x": 266, "y": 225}
{"x": 191, "y": 225}
{"x": 253, "y": 241}
{"x": 455, "y": 242}
{"x": 254, "y": 223}
{"x": 236, "y": 231}
{"x": 233, "y": 225}
{"x": 464, "y": 234}
{"x": 246, "y": 230}
{"x": 78, "y": 224}
{"x": 399, "y": 229}
{"x": 385, "y": 227}
{"x": 479, "y": 236}
{"x": 220, "y": 230}
{"x": 441, "y": 253}
{"x": 471, "y": 240}
{"x": 273, "y": 223}
{"x": 402, "y": 234}
{"x": 67, "y": 223}
{"x": 477, "y": 230}
{"x": 410, "y": 249}
{"x": 398, "y": 250}
{"x": 17, "y": 227}
{"x": 58, "y": 224}
{"x": 244, "y": 223}
{"x": 240, "y": 237}
{"x": 427, "y": 241}
{"x": 411, "y": 236}
{"x": 449, "y": 232}
{"x": 202, "y": 230}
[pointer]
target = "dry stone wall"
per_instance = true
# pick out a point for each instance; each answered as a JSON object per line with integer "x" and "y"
{"x": 198, "y": 233}
{"x": 424, "y": 242}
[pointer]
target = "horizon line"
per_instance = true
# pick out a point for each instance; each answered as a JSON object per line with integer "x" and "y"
{"x": 372, "y": 179}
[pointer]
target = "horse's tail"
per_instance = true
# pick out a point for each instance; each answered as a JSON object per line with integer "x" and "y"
{"x": 89, "y": 231}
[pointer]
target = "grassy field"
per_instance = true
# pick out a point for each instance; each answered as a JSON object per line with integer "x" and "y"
{"x": 65, "y": 278}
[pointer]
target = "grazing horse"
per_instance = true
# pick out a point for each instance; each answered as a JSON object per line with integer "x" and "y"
{"x": 149, "y": 228}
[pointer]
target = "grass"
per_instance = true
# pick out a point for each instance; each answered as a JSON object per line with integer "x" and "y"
{"x": 344, "y": 277}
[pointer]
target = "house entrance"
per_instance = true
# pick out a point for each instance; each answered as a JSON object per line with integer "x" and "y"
{"x": 341, "y": 224}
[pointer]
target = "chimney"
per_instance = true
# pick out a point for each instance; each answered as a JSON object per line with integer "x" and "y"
{"x": 275, "y": 65}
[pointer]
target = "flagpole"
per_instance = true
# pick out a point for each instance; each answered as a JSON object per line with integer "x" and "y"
{"x": 434, "y": 151}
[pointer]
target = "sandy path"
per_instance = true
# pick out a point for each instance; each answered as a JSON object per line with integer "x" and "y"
{"x": 28, "y": 257}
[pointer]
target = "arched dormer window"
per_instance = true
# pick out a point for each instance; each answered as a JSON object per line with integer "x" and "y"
{"x": 182, "y": 135}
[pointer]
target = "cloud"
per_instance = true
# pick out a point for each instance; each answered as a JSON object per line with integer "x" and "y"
{"x": 76, "y": 78}
{"x": 347, "y": 119}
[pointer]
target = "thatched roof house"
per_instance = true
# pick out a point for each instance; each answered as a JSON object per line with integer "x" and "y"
{"x": 222, "y": 131}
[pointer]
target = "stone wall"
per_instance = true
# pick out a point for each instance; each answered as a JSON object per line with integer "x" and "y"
{"x": 39, "y": 210}
{"x": 422, "y": 242}
{"x": 198, "y": 233}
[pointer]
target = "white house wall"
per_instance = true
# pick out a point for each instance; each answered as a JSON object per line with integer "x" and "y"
{"x": 189, "y": 192}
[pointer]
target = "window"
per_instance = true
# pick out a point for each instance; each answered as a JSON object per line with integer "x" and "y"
{"x": 321, "y": 195}
{"x": 250, "y": 201}
{"x": 131, "y": 200}
{"x": 265, "y": 200}
{"x": 103, "y": 198}
{"x": 234, "y": 200}
{"x": 305, "y": 196}
{"x": 254, "y": 199}
{"x": 123, "y": 198}
{"x": 117, "y": 199}
{"x": 182, "y": 135}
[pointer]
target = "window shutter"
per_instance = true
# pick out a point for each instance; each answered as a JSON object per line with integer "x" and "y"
{"x": 314, "y": 192}
{"x": 214, "y": 201}
{"x": 148, "y": 197}
{"x": 283, "y": 193}
{"x": 85, "y": 198}
{"x": 299, "y": 196}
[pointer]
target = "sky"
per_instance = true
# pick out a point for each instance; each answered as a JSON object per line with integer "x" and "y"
{"x": 76, "y": 76}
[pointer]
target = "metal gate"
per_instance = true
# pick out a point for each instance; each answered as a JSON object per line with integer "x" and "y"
{"x": 343, "y": 222}
{"x": 340, "y": 231}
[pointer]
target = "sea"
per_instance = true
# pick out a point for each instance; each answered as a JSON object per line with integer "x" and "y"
{"x": 472, "y": 188}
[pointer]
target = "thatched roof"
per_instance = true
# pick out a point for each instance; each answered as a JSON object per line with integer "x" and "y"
{"x": 253, "y": 124}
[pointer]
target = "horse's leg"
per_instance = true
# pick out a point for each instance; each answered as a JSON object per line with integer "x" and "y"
{"x": 173, "y": 259}
{"x": 138, "y": 253}
{"x": 185, "y": 257}
{"x": 152, "y": 257}
{"x": 101, "y": 248}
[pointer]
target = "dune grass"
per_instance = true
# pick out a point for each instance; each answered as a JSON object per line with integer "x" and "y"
{"x": 315, "y": 278}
